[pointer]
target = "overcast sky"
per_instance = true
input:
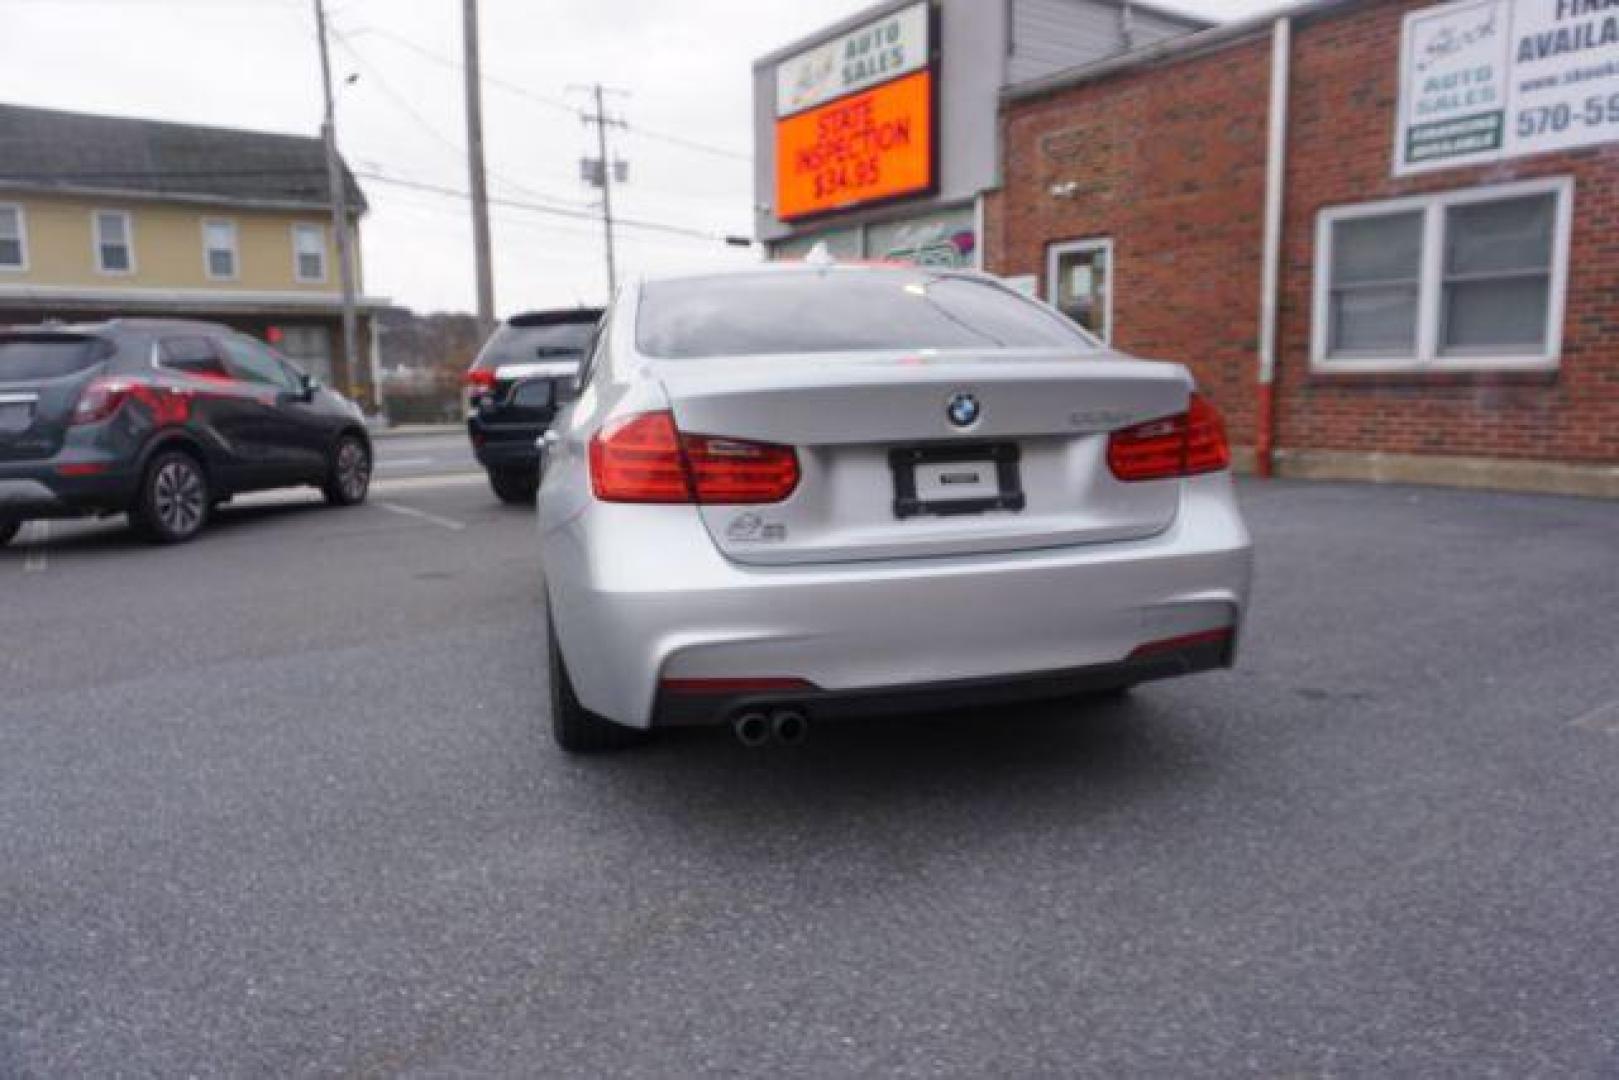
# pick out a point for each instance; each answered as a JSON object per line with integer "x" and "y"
{"x": 252, "y": 64}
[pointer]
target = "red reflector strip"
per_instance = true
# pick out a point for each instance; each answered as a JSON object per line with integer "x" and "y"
{"x": 1185, "y": 641}
{"x": 87, "y": 468}
{"x": 734, "y": 686}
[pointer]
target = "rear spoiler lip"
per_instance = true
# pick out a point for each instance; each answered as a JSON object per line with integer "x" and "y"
{"x": 580, "y": 316}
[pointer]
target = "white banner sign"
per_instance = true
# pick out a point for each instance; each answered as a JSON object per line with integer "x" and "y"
{"x": 1483, "y": 80}
{"x": 881, "y": 50}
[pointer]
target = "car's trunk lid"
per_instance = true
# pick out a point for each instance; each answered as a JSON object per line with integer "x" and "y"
{"x": 42, "y": 374}
{"x": 887, "y": 473}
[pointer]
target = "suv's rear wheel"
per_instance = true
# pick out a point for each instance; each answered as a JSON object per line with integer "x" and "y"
{"x": 8, "y": 531}
{"x": 515, "y": 486}
{"x": 348, "y": 477}
{"x": 575, "y": 728}
{"x": 173, "y": 503}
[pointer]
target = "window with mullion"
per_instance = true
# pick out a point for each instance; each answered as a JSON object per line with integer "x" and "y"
{"x": 1497, "y": 275}
{"x": 219, "y": 243}
{"x": 1469, "y": 279}
{"x": 1376, "y": 284}
{"x": 115, "y": 252}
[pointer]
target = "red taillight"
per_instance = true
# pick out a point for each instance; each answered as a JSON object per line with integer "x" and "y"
{"x": 1184, "y": 445}
{"x": 477, "y": 385}
{"x": 101, "y": 399}
{"x": 645, "y": 458}
{"x": 733, "y": 471}
{"x": 637, "y": 459}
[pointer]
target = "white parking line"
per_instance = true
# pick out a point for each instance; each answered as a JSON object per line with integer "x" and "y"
{"x": 423, "y": 515}
{"x": 413, "y": 483}
{"x": 404, "y": 462}
{"x": 38, "y": 560}
{"x": 1603, "y": 718}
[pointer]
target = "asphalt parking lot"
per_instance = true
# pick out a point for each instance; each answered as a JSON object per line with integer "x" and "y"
{"x": 282, "y": 802}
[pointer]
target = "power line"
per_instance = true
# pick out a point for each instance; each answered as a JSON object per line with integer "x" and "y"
{"x": 449, "y": 143}
{"x": 578, "y": 211}
{"x": 430, "y": 204}
{"x": 556, "y": 103}
{"x": 493, "y": 80}
{"x": 581, "y": 215}
{"x": 689, "y": 144}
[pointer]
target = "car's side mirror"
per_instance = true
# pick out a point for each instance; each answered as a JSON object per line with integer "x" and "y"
{"x": 308, "y": 387}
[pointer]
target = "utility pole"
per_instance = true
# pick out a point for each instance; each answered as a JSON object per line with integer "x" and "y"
{"x": 480, "y": 189}
{"x": 337, "y": 184}
{"x": 602, "y": 172}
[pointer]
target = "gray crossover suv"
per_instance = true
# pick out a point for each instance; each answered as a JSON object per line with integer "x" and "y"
{"x": 163, "y": 420}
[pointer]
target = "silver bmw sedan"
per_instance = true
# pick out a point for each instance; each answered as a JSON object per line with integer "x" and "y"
{"x": 805, "y": 491}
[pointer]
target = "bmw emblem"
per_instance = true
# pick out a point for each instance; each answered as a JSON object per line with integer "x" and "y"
{"x": 963, "y": 410}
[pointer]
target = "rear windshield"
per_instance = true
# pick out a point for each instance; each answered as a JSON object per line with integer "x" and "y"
{"x": 519, "y": 344}
{"x": 841, "y": 311}
{"x": 48, "y": 356}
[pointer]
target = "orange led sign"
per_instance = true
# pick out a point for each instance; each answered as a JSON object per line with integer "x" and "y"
{"x": 871, "y": 145}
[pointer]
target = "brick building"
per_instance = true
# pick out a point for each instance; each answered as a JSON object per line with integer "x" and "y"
{"x": 1434, "y": 191}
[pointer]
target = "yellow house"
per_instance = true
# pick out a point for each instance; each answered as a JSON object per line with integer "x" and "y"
{"x": 106, "y": 216}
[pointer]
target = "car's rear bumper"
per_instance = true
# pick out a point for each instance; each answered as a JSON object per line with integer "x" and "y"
{"x": 505, "y": 446}
{"x": 642, "y": 596}
{"x": 30, "y": 490}
{"x": 1201, "y": 652}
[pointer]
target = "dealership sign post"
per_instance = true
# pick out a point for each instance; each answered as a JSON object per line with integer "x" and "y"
{"x": 855, "y": 117}
{"x": 1484, "y": 80}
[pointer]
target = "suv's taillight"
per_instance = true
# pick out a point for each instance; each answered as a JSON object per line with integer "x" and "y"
{"x": 1183, "y": 445}
{"x": 645, "y": 458}
{"x": 478, "y": 384}
{"x": 100, "y": 399}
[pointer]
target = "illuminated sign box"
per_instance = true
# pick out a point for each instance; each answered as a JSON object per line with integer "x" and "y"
{"x": 871, "y": 145}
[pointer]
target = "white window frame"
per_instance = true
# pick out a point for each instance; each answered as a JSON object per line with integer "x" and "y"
{"x": 129, "y": 240}
{"x": 1090, "y": 244}
{"x": 22, "y": 239}
{"x": 297, "y": 268}
{"x": 235, "y": 249}
{"x": 1431, "y": 279}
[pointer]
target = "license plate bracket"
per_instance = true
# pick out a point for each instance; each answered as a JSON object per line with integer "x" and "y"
{"x": 988, "y": 475}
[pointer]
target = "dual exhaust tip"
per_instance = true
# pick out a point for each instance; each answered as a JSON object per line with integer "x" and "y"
{"x": 755, "y": 728}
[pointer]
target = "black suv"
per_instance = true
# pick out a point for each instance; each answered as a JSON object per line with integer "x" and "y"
{"x": 163, "y": 420}
{"x": 522, "y": 375}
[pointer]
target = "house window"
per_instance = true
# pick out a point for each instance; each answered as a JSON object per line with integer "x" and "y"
{"x": 309, "y": 252}
{"x": 1460, "y": 280}
{"x": 115, "y": 245}
{"x": 1079, "y": 283}
{"x": 13, "y": 239}
{"x": 219, "y": 248}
